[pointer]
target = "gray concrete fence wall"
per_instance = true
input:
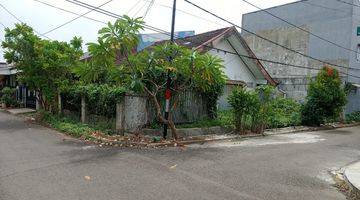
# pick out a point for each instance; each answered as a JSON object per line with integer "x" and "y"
{"x": 136, "y": 112}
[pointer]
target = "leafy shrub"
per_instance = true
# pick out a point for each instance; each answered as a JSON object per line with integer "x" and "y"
{"x": 8, "y": 96}
{"x": 325, "y": 100}
{"x": 245, "y": 105}
{"x": 261, "y": 116}
{"x": 65, "y": 125}
{"x": 285, "y": 112}
{"x": 353, "y": 117}
{"x": 260, "y": 109}
{"x": 100, "y": 99}
{"x": 224, "y": 119}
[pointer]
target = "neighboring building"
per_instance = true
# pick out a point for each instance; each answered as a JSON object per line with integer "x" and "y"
{"x": 146, "y": 40}
{"x": 8, "y": 79}
{"x": 239, "y": 69}
{"x": 353, "y": 99}
{"x": 7, "y": 75}
{"x": 149, "y": 39}
{"x": 333, "y": 20}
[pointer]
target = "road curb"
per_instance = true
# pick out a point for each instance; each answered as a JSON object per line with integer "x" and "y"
{"x": 352, "y": 178}
{"x": 217, "y": 138}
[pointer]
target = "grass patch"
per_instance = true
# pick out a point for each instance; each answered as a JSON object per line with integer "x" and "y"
{"x": 224, "y": 119}
{"x": 71, "y": 126}
{"x": 353, "y": 117}
{"x": 66, "y": 125}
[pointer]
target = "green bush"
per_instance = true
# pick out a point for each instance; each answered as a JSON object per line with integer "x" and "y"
{"x": 63, "y": 124}
{"x": 325, "y": 100}
{"x": 285, "y": 112}
{"x": 8, "y": 96}
{"x": 100, "y": 99}
{"x": 224, "y": 119}
{"x": 246, "y": 106}
{"x": 353, "y": 117}
{"x": 260, "y": 109}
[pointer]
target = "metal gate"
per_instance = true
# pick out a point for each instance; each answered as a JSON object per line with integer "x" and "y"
{"x": 30, "y": 99}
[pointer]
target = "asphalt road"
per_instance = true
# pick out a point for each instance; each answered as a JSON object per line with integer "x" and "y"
{"x": 37, "y": 163}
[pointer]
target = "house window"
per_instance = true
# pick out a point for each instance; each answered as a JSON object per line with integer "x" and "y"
{"x": 358, "y": 53}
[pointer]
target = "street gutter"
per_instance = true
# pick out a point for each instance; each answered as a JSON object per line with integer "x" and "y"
{"x": 202, "y": 139}
{"x": 352, "y": 178}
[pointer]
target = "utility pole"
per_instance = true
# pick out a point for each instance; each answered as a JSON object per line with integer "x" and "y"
{"x": 168, "y": 81}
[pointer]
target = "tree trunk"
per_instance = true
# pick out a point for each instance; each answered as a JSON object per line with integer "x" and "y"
{"x": 172, "y": 127}
{"x": 59, "y": 101}
{"x": 342, "y": 116}
{"x": 40, "y": 98}
{"x": 169, "y": 122}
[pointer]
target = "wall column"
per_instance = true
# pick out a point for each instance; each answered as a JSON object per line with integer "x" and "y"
{"x": 83, "y": 109}
{"x": 59, "y": 103}
{"x": 37, "y": 102}
{"x": 120, "y": 117}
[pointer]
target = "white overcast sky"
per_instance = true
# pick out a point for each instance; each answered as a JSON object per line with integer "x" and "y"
{"x": 43, "y": 18}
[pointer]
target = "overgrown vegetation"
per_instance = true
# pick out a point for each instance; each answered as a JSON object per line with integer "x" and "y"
{"x": 44, "y": 64}
{"x": 151, "y": 71}
{"x": 246, "y": 106}
{"x": 284, "y": 112}
{"x": 255, "y": 110}
{"x": 7, "y": 97}
{"x": 66, "y": 125}
{"x": 353, "y": 117}
{"x": 325, "y": 100}
{"x": 224, "y": 119}
{"x": 71, "y": 126}
{"x": 101, "y": 99}
{"x": 53, "y": 68}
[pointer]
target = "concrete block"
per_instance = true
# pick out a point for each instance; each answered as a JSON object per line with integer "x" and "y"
{"x": 135, "y": 113}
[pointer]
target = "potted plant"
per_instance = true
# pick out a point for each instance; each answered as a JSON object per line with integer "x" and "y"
{"x": 7, "y": 97}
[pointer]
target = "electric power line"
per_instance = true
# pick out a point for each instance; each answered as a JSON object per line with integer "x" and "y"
{"x": 116, "y": 16}
{"x": 328, "y": 8}
{"x": 321, "y": 6}
{"x": 108, "y": 13}
{"x": 300, "y": 28}
{"x": 266, "y": 39}
{"x": 166, "y": 33}
{"x": 137, "y": 3}
{"x": 351, "y": 4}
{"x": 18, "y": 19}
{"x": 148, "y": 9}
{"x": 89, "y": 18}
{"x": 137, "y": 12}
{"x": 68, "y": 22}
{"x": 68, "y": 11}
{"x": 2, "y": 25}
{"x": 187, "y": 13}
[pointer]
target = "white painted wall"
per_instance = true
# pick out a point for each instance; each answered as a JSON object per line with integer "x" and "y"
{"x": 235, "y": 69}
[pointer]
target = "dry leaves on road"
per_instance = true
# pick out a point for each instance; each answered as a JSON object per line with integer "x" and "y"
{"x": 88, "y": 178}
{"x": 173, "y": 167}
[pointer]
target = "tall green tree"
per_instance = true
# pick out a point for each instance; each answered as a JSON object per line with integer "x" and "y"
{"x": 116, "y": 42}
{"x": 113, "y": 61}
{"x": 44, "y": 65}
{"x": 187, "y": 69}
{"x": 326, "y": 98}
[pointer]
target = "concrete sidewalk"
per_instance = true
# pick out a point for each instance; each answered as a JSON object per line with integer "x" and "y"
{"x": 352, "y": 176}
{"x": 17, "y": 111}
